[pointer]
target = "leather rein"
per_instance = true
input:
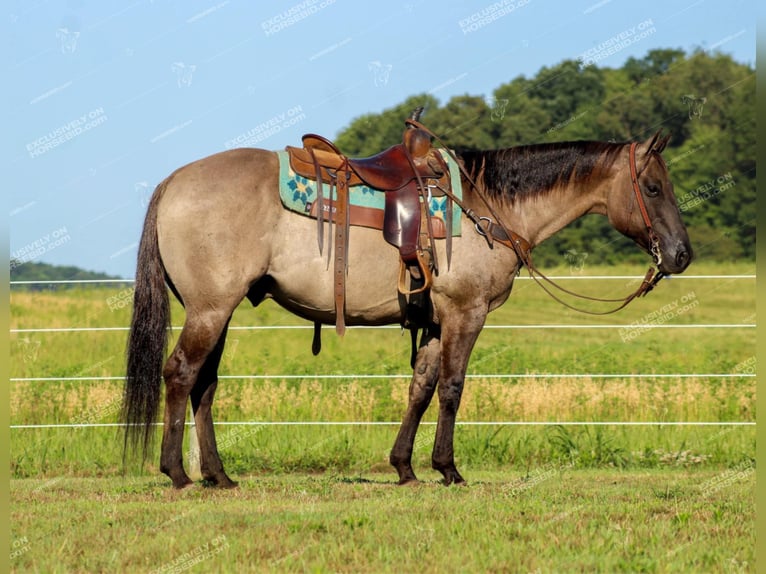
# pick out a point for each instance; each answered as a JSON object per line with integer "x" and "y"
{"x": 493, "y": 229}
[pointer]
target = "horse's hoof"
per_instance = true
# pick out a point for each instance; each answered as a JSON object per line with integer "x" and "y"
{"x": 228, "y": 483}
{"x": 409, "y": 482}
{"x": 220, "y": 482}
{"x": 454, "y": 478}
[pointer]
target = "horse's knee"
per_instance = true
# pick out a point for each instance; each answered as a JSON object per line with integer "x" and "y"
{"x": 425, "y": 376}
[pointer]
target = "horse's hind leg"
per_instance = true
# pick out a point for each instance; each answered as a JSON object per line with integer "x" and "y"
{"x": 198, "y": 339}
{"x": 424, "y": 377}
{"x": 202, "y": 395}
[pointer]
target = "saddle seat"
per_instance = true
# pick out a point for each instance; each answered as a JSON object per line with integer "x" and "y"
{"x": 388, "y": 170}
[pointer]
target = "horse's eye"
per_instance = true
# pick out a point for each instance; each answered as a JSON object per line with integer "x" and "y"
{"x": 652, "y": 190}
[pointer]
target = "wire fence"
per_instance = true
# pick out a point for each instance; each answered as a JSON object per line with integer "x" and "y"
{"x": 362, "y": 376}
{"x": 520, "y": 277}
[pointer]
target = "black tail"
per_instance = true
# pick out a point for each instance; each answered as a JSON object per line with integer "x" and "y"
{"x": 147, "y": 341}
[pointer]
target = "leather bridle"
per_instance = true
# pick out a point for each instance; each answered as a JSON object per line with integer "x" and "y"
{"x": 493, "y": 229}
{"x": 654, "y": 247}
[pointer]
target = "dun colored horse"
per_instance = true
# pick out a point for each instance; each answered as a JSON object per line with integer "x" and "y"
{"x": 216, "y": 232}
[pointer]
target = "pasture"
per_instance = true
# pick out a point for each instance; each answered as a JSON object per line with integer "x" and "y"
{"x": 316, "y": 491}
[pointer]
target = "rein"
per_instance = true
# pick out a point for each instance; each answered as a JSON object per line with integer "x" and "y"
{"x": 497, "y": 231}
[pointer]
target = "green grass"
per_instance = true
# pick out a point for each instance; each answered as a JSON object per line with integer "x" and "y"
{"x": 541, "y": 498}
{"x": 550, "y": 518}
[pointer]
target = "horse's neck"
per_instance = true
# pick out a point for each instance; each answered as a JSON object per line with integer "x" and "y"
{"x": 539, "y": 217}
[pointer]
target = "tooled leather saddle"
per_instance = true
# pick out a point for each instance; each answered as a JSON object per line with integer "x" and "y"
{"x": 408, "y": 173}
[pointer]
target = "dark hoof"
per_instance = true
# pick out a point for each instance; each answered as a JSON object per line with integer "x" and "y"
{"x": 221, "y": 481}
{"x": 404, "y": 470}
{"x": 453, "y": 477}
{"x": 180, "y": 479}
{"x": 409, "y": 482}
{"x": 182, "y": 484}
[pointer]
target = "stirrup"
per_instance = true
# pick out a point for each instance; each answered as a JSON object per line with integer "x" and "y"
{"x": 424, "y": 267}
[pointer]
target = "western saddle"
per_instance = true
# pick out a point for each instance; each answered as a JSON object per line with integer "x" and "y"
{"x": 409, "y": 173}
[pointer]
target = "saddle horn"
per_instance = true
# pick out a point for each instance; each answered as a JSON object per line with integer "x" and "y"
{"x": 415, "y": 115}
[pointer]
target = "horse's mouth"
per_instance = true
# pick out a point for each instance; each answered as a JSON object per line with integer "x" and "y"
{"x": 676, "y": 261}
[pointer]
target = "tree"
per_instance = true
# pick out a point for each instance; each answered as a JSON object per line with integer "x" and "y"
{"x": 464, "y": 121}
{"x": 705, "y": 101}
{"x": 522, "y": 118}
{"x": 567, "y": 90}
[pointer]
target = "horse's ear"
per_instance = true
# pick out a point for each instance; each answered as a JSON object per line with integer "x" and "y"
{"x": 657, "y": 142}
{"x": 659, "y": 147}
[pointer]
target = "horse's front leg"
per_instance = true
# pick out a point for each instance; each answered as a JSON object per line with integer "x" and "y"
{"x": 422, "y": 386}
{"x": 459, "y": 333}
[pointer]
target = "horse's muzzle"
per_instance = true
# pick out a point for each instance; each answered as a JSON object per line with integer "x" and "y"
{"x": 677, "y": 260}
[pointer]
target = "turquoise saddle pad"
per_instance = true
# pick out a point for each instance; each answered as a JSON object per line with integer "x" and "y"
{"x": 298, "y": 193}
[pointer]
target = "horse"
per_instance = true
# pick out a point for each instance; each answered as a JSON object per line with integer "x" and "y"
{"x": 216, "y": 233}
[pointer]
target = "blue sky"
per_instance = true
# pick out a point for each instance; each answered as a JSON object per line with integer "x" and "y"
{"x": 105, "y": 99}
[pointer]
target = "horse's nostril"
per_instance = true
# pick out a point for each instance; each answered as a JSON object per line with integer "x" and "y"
{"x": 682, "y": 258}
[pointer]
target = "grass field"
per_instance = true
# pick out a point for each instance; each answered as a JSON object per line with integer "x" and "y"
{"x": 542, "y": 498}
{"x": 550, "y": 520}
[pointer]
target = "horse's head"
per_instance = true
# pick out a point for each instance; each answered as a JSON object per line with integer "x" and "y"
{"x": 643, "y": 206}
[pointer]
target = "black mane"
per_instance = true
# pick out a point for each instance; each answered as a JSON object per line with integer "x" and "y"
{"x": 525, "y": 171}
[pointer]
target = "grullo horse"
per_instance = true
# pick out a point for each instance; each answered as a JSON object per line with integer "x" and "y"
{"x": 216, "y": 232}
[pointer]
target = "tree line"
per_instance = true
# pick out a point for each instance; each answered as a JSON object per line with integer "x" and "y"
{"x": 42, "y": 272}
{"x": 706, "y": 101}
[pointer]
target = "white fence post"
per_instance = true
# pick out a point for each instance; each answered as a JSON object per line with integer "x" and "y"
{"x": 194, "y": 464}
